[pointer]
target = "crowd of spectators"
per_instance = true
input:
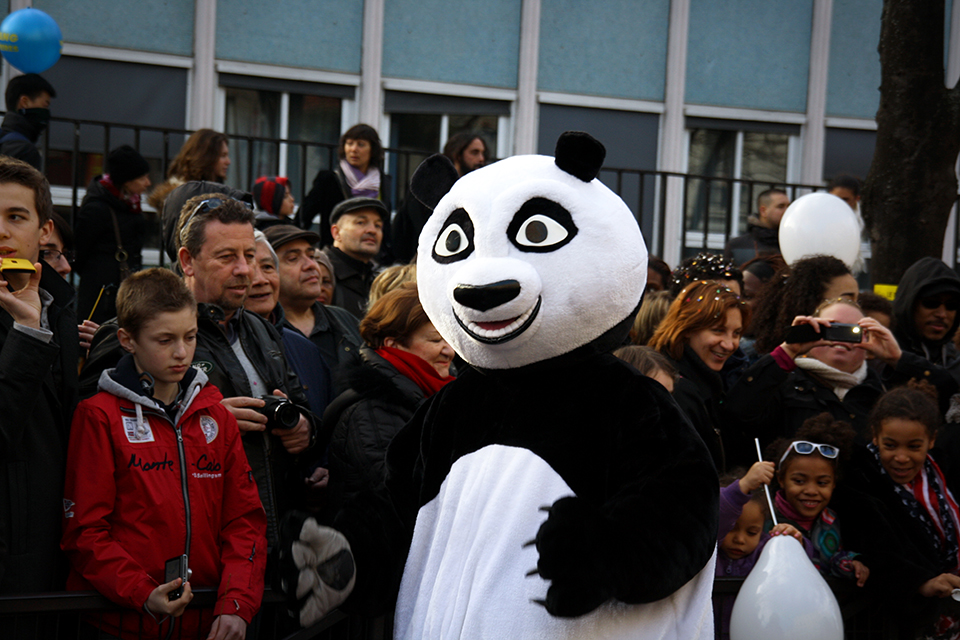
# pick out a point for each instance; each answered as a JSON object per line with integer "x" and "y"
{"x": 309, "y": 350}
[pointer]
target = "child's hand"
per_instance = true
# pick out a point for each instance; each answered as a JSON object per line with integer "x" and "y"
{"x": 760, "y": 473}
{"x": 941, "y": 586}
{"x": 160, "y": 605}
{"x": 861, "y": 571}
{"x": 784, "y": 529}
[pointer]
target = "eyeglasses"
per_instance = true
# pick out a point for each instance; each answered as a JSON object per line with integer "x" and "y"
{"x": 805, "y": 448}
{"x": 951, "y": 304}
{"x": 52, "y": 255}
{"x": 210, "y": 204}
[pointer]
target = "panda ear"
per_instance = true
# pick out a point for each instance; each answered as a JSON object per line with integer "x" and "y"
{"x": 433, "y": 179}
{"x": 580, "y": 154}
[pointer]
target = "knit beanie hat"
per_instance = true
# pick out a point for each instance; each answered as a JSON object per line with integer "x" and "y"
{"x": 125, "y": 164}
{"x": 269, "y": 192}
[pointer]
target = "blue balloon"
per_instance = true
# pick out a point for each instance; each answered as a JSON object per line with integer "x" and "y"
{"x": 30, "y": 40}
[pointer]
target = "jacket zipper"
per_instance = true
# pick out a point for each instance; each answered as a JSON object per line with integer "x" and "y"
{"x": 183, "y": 470}
{"x": 183, "y": 485}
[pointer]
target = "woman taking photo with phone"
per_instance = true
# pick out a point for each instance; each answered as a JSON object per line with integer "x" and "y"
{"x": 799, "y": 380}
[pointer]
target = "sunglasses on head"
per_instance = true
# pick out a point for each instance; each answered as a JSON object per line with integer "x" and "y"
{"x": 805, "y": 448}
{"x": 204, "y": 206}
{"x": 952, "y": 304}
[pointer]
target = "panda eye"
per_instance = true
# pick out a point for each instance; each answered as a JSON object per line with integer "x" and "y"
{"x": 455, "y": 241}
{"x": 452, "y": 241}
{"x": 540, "y": 226}
{"x": 541, "y": 231}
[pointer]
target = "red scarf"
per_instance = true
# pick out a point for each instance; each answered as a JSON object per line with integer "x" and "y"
{"x": 132, "y": 199}
{"x": 784, "y": 507}
{"x": 416, "y": 368}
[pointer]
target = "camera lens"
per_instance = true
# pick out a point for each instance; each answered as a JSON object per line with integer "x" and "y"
{"x": 286, "y": 415}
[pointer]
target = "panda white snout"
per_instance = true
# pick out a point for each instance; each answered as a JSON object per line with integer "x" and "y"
{"x": 487, "y": 296}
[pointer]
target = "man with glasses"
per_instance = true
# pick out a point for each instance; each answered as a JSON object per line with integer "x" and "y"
{"x": 925, "y": 320}
{"x": 58, "y": 252}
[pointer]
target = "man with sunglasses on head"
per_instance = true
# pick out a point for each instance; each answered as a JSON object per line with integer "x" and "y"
{"x": 241, "y": 353}
{"x": 925, "y": 320}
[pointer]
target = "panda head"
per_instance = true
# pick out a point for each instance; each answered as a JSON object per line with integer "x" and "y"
{"x": 528, "y": 258}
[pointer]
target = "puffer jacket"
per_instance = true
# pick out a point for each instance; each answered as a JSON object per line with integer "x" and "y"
{"x": 142, "y": 489}
{"x": 274, "y": 468}
{"x": 362, "y": 421}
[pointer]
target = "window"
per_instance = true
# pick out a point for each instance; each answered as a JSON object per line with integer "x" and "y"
{"x": 308, "y": 114}
{"x": 730, "y": 163}
{"x": 420, "y": 124}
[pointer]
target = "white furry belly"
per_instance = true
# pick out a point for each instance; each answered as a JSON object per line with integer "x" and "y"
{"x": 465, "y": 574}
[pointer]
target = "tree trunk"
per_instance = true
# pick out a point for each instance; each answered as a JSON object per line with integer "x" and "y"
{"x": 912, "y": 182}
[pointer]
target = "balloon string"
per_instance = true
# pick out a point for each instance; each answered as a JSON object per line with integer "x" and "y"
{"x": 766, "y": 488}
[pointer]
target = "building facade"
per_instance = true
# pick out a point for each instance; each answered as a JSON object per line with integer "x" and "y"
{"x": 777, "y": 91}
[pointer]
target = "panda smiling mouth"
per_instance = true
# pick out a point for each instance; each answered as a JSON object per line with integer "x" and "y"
{"x": 500, "y": 331}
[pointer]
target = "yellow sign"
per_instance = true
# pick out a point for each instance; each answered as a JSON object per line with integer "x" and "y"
{"x": 888, "y": 291}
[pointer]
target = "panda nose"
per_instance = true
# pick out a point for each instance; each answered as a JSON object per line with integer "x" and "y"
{"x": 486, "y": 296}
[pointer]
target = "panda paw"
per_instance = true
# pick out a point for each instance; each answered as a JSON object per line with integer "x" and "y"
{"x": 316, "y": 566}
{"x": 572, "y": 557}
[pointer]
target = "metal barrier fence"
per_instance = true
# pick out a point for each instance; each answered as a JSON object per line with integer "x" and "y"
{"x": 74, "y": 615}
{"x": 64, "y": 616}
{"x": 712, "y": 209}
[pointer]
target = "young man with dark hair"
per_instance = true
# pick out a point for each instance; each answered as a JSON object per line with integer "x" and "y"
{"x": 28, "y": 113}
{"x": 126, "y": 521}
{"x": 38, "y": 386}
{"x": 762, "y": 237}
{"x": 467, "y": 151}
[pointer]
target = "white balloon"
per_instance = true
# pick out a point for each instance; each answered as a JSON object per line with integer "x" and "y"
{"x": 820, "y": 224}
{"x": 784, "y": 597}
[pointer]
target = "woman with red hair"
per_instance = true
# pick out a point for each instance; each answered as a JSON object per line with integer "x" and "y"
{"x": 700, "y": 332}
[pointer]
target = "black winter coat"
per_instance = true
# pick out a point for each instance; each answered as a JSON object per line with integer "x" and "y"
{"x": 18, "y": 148}
{"x": 363, "y": 420}
{"x": 96, "y": 243}
{"x": 769, "y": 403}
{"x": 699, "y": 392}
{"x": 38, "y": 393}
{"x": 330, "y": 189}
{"x": 757, "y": 241}
{"x": 274, "y": 469}
{"x": 938, "y": 363}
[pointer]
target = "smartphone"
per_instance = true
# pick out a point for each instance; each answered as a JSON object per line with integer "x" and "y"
{"x": 176, "y": 568}
{"x": 836, "y": 332}
{"x": 19, "y": 265}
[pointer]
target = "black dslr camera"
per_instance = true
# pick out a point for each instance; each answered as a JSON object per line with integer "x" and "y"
{"x": 280, "y": 412}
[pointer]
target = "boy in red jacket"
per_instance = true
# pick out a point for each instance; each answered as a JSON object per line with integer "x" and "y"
{"x": 155, "y": 471}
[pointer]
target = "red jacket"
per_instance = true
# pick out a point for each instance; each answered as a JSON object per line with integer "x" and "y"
{"x": 125, "y": 513}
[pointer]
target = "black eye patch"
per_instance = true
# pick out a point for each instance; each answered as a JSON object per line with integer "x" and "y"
{"x": 455, "y": 241}
{"x": 541, "y": 226}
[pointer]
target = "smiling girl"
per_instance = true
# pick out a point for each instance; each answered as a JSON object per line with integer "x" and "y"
{"x": 807, "y": 474}
{"x": 906, "y": 476}
{"x": 700, "y": 332}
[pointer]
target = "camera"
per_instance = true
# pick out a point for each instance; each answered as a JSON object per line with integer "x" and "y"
{"x": 177, "y": 568}
{"x": 836, "y": 332}
{"x": 280, "y": 412}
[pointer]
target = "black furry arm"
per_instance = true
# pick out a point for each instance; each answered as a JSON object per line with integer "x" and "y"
{"x": 655, "y": 528}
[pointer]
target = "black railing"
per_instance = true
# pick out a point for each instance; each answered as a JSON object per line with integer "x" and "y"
{"x": 66, "y": 615}
{"x": 711, "y": 209}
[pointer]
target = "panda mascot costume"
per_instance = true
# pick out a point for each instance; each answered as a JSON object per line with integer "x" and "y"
{"x": 551, "y": 491}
